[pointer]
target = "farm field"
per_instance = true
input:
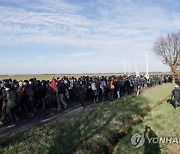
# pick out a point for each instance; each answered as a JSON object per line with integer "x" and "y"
{"x": 98, "y": 130}
{"x": 47, "y": 77}
{"x": 50, "y": 76}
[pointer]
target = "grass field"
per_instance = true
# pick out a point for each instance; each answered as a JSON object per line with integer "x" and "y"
{"x": 49, "y": 77}
{"x": 27, "y": 77}
{"x": 97, "y": 130}
{"x": 163, "y": 123}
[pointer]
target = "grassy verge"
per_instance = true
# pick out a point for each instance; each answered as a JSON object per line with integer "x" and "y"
{"x": 90, "y": 131}
{"x": 163, "y": 123}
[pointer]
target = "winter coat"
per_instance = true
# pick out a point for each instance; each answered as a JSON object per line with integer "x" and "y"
{"x": 11, "y": 98}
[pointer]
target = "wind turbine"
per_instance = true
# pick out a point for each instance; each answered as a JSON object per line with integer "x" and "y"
{"x": 129, "y": 68}
{"x": 147, "y": 64}
{"x": 124, "y": 66}
{"x": 136, "y": 69}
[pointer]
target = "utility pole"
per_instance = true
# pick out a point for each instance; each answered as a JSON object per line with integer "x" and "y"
{"x": 129, "y": 68}
{"x": 124, "y": 66}
{"x": 136, "y": 69}
{"x": 147, "y": 64}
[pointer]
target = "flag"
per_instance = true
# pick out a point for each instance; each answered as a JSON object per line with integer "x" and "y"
{"x": 53, "y": 85}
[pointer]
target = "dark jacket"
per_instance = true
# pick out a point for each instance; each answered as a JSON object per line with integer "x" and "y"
{"x": 11, "y": 98}
{"x": 61, "y": 88}
{"x": 117, "y": 85}
{"x": 43, "y": 91}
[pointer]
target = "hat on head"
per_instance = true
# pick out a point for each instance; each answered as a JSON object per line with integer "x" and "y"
{"x": 20, "y": 83}
{"x": 176, "y": 86}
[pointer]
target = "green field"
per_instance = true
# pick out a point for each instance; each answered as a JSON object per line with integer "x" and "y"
{"x": 27, "y": 77}
{"x": 163, "y": 123}
{"x": 47, "y": 77}
{"x": 50, "y": 76}
{"x": 104, "y": 129}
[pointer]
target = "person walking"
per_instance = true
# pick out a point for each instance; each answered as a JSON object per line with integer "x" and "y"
{"x": 60, "y": 95}
{"x": 176, "y": 96}
{"x": 9, "y": 102}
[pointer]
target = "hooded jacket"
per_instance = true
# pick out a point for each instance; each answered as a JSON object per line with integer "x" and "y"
{"x": 11, "y": 98}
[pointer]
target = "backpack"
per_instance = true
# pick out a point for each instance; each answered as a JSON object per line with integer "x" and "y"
{"x": 11, "y": 98}
{"x": 93, "y": 86}
{"x": 112, "y": 87}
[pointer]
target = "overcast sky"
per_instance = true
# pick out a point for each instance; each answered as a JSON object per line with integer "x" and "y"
{"x": 83, "y": 36}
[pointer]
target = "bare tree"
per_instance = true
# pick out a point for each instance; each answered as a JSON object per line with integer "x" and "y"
{"x": 168, "y": 48}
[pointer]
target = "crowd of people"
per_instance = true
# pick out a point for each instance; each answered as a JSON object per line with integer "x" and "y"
{"x": 28, "y": 96}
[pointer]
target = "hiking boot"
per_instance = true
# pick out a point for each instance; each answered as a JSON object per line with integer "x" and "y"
{"x": 12, "y": 125}
{"x": 1, "y": 123}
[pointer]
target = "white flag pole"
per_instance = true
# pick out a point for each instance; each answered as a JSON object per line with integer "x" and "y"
{"x": 124, "y": 66}
{"x": 147, "y": 64}
{"x": 136, "y": 69}
{"x": 129, "y": 68}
